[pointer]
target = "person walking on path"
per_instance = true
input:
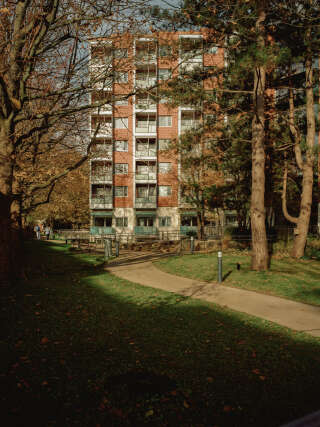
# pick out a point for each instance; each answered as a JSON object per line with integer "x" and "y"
{"x": 47, "y": 231}
{"x": 37, "y": 230}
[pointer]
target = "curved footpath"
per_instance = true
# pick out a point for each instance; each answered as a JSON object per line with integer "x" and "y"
{"x": 138, "y": 268}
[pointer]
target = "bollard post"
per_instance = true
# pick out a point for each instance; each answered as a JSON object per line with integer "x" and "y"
{"x": 219, "y": 266}
{"x": 106, "y": 249}
{"x": 109, "y": 247}
{"x": 117, "y": 248}
{"x": 192, "y": 244}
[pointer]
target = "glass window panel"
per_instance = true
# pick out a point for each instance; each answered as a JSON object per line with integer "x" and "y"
{"x": 165, "y": 121}
{"x": 121, "y": 191}
{"x": 164, "y": 167}
{"x": 121, "y": 123}
{"x": 164, "y": 144}
{"x": 121, "y": 168}
{"x": 164, "y": 190}
{"x": 121, "y": 145}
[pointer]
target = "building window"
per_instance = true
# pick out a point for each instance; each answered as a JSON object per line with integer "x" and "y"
{"x": 164, "y": 190}
{"x": 121, "y": 146}
{"x": 103, "y": 221}
{"x": 121, "y": 169}
{"x": 164, "y": 50}
{"x": 122, "y": 221}
{"x": 164, "y": 144}
{"x": 189, "y": 221}
{"x": 121, "y": 77}
{"x": 164, "y": 167}
{"x": 121, "y": 191}
{"x": 164, "y": 221}
{"x": 164, "y": 73}
{"x": 121, "y": 123}
{"x": 165, "y": 121}
{"x": 120, "y": 53}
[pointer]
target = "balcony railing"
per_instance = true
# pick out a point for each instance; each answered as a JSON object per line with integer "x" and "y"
{"x": 107, "y": 108}
{"x": 145, "y": 230}
{"x": 104, "y": 130}
{"x": 143, "y": 83}
{"x": 191, "y": 56}
{"x": 146, "y": 202}
{"x": 147, "y": 127}
{"x": 101, "y": 84}
{"x": 149, "y": 176}
{"x": 101, "y": 152}
{"x": 102, "y": 230}
{"x": 101, "y": 202}
{"x": 146, "y": 153}
{"x": 184, "y": 229}
{"x": 189, "y": 124}
{"x": 145, "y": 104}
{"x": 99, "y": 178}
{"x": 146, "y": 57}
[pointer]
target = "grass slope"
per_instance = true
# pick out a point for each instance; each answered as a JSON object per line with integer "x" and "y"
{"x": 80, "y": 347}
{"x": 298, "y": 280}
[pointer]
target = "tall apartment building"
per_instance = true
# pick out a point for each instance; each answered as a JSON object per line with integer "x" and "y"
{"x": 134, "y": 185}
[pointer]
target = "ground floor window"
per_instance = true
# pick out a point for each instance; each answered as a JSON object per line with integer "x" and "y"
{"x": 164, "y": 221}
{"x": 122, "y": 221}
{"x": 189, "y": 221}
{"x": 103, "y": 221}
{"x": 145, "y": 221}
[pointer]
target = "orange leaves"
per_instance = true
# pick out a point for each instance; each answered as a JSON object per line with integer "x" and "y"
{"x": 44, "y": 340}
{"x": 257, "y": 372}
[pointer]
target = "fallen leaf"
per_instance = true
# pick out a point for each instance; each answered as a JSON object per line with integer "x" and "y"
{"x": 44, "y": 340}
{"x": 149, "y": 413}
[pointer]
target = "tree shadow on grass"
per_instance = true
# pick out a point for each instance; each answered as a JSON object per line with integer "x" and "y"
{"x": 71, "y": 340}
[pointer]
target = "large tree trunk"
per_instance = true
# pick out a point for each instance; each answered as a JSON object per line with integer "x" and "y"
{"x": 260, "y": 256}
{"x": 8, "y": 236}
{"x": 303, "y": 222}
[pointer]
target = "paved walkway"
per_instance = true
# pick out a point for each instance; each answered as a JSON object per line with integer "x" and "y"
{"x": 138, "y": 268}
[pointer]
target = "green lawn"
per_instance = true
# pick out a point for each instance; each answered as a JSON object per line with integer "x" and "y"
{"x": 288, "y": 278}
{"x": 80, "y": 347}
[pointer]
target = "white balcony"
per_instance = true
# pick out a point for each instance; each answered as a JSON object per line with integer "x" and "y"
{"x": 146, "y": 202}
{"x": 101, "y": 177}
{"x": 104, "y": 130}
{"x": 146, "y": 127}
{"x": 146, "y": 176}
{"x": 102, "y": 84}
{"x": 145, "y": 83}
{"x": 101, "y": 202}
{"x": 143, "y": 57}
{"x": 145, "y": 105}
{"x": 101, "y": 152}
{"x": 189, "y": 124}
{"x": 103, "y": 109}
{"x": 143, "y": 154}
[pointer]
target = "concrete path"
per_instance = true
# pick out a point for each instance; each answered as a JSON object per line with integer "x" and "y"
{"x": 294, "y": 315}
